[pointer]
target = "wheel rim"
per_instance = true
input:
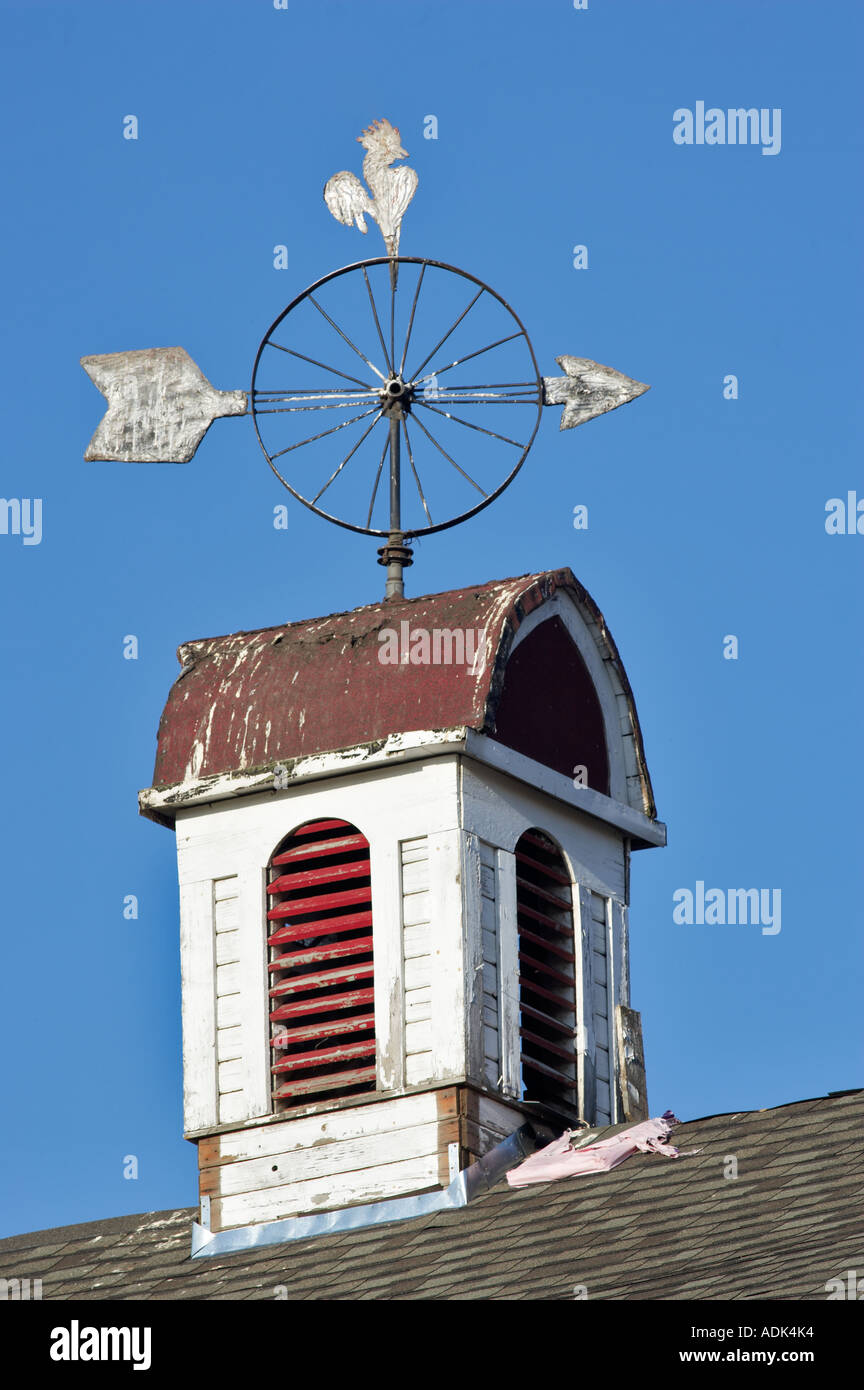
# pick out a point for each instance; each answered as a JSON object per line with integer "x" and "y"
{"x": 378, "y": 368}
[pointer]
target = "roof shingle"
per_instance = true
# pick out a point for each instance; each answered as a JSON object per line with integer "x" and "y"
{"x": 651, "y": 1229}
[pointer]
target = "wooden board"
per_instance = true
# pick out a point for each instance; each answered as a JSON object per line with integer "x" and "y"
{"x": 631, "y": 1064}
{"x": 382, "y": 1117}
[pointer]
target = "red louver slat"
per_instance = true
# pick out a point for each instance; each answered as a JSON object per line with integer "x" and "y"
{"x": 526, "y": 984}
{"x": 333, "y": 924}
{"x": 357, "y": 946}
{"x": 554, "y": 1023}
{"x": 550, "y": 875}
{"x": 302, "y": 1061}
{"x": 315, "y": 829}
{"x": 305, "y": 1088}
{"x": 312, "y": 1031}
{"x": 568, "y": 1083}
{"x": 307, "y": 852}
{"x": 550, "y": 946}
{"x": 294, "y": 907}
{"x": 530, "y": 888}
{"x": 356, "y": 999}
{"x": 547, "y": 987}
{"x": 319, "y": 874}
{"x": 543, "y": 919}
{"x": 546, "y": 970}
{"x": 323, "y": 979}
{"x": 321, "y": 911}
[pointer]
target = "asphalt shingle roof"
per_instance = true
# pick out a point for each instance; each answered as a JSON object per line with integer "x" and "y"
{"x": 655, "y": 1228}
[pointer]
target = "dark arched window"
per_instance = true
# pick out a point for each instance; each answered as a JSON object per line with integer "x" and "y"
{"x": 321, "y": 973}
{"x": 549, "y": 708}
{"x": 547, "y": 973}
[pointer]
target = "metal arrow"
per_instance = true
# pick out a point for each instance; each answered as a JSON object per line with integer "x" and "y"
{"x": 589, "y": 389}
{"x": 160, "y": 405}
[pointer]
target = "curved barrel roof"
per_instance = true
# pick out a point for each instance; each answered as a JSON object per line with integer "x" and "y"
{"x": 251, "y": 700}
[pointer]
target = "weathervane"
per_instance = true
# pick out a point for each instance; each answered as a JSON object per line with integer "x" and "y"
{"x": 160, "y": 405}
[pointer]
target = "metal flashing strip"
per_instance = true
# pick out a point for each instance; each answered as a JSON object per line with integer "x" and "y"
{"x": 206, "y": 1242}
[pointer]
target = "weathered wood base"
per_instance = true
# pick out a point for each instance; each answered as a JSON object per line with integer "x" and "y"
{"x": 390, "y": 1147}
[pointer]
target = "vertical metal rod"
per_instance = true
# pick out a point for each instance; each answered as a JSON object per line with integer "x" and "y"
{"x": 395, "y": 479}
{"x": 394, "y": 587}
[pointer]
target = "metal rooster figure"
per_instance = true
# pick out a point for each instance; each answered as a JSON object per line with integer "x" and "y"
{"x": 392, "y": 189}
{"x": 160, "y": 405}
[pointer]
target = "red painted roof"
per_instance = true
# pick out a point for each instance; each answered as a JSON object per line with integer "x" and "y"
{"x": 251, "y": 699}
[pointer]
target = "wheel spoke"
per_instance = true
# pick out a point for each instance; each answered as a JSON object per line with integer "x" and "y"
{"x": 481, "y": 490}
{"x": 311, "y": 393}
{"x": 478, "y": 353}
{"x": 322, "y": 365}
{"x": 387, "y": 359}
{"x": 276, "y": 404}
{"x": 311, "y": 440}
{"x": 414, "y": 471}
{"x": 411, "y": 319}
{"x": 493, "y": 385}
{"x": 347, "y": 457}
{"x": 456, "y": 396}
{"x": 377, "y": 480}
{"x": 323, "y": 312}
{"x": 477, "y": 400}
{"x": 468, "y": 425}
{"x": 287, "y": 409}
{"x": 450, "y": 330}
{"x": 492, "y": 393}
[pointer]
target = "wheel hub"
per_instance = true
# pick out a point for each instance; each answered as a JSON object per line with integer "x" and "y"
{"x": 396, "y": 396}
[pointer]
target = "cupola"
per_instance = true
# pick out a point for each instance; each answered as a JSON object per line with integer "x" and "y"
{"x": 403, "y": 838}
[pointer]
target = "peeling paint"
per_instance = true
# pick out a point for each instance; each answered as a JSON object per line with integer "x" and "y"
{"x": 316, "y": 690}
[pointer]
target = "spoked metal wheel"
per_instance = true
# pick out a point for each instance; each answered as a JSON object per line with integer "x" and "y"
{"x": 411, "y": 358}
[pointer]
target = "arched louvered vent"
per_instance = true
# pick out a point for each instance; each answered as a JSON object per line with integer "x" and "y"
{"x": 323, "y": 1015}
{"x": 547, "y": 973}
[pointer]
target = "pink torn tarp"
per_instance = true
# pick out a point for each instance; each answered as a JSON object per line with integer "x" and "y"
{"x": 561, "y": 1160}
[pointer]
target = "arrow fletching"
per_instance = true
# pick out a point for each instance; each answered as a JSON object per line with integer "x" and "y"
{"x": 160, "y": 405}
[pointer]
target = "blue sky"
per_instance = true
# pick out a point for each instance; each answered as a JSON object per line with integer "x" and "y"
{"x": 706, "y": 515}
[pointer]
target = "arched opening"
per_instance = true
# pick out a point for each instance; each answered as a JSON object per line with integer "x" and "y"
{"x": 547, "y": 973}
{"x": 321, "y": 965}
{"x": 549, "y": 709}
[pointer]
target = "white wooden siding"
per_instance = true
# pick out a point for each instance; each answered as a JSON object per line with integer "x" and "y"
{"x": 619, "y": 994}
{"x": 600, "y": 995}
{"x": 432, "y": 828}
{"x": 417, "y": 957}
{"x": 508, "y": 983}
{"x": 499, "y": 809}
{"x": 197, "y": 963}
{"x": 315, "y": 1162}
{"x": 229, "y": 1004}
{"x": 451, "y": 999}
{"x": 491, "y": 966}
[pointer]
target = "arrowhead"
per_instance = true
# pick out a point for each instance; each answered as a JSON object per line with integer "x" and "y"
{"x": 588, "y": 389}
{"x": 160, "y": 405}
